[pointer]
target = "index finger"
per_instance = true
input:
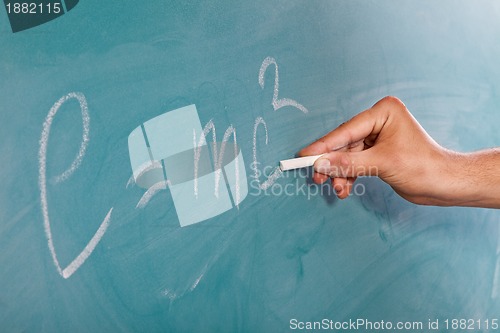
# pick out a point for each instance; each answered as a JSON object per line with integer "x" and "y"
{"x": 367, "y": 123}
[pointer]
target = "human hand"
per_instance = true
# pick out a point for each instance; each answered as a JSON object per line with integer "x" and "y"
{"x": 386, "y": 141}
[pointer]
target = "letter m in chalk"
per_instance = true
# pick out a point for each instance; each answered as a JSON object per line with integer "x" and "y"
{"x": 205, "y": 180}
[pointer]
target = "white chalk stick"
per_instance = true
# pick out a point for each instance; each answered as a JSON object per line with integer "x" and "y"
{"x": 296, "y": 163}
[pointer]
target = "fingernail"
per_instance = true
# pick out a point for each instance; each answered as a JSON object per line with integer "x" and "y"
{"x": 322, "y": 165}
{"x": 338, "y": 189}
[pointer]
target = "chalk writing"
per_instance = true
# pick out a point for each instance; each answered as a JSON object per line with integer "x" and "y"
{"x": 255, "y": 164}
{"x": 151, "y": 192}
{"x": 277, "y": 103}
{"x": 197, "y": 152}
{"x": 42, "y": 184}
{"x": 218, "y": 157}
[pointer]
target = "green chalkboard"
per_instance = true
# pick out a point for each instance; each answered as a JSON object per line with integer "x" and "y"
{"x": 107, "y": 225}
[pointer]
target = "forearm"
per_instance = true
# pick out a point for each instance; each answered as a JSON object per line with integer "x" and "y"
{"x": 407, "y": 158}
{"x": 475, "y": 181}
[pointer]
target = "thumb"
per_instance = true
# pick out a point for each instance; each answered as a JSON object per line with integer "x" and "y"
{"x": 347, "y": 164}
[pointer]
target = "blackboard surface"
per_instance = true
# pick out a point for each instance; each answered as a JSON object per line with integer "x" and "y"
{"x": 85, "y": 249}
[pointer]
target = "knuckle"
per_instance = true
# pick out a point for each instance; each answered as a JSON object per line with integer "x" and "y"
{"x": 393, "y": 100}
{"x": 391, "y": 103}
{"x": 389, "y": 107}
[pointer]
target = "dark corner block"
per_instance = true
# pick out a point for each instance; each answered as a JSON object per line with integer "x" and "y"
{"x": 28, "y": 14}
{"x": 70, "y": 4}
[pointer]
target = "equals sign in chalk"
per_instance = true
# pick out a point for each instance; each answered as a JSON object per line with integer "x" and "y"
{"x": 300, "y": 162}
